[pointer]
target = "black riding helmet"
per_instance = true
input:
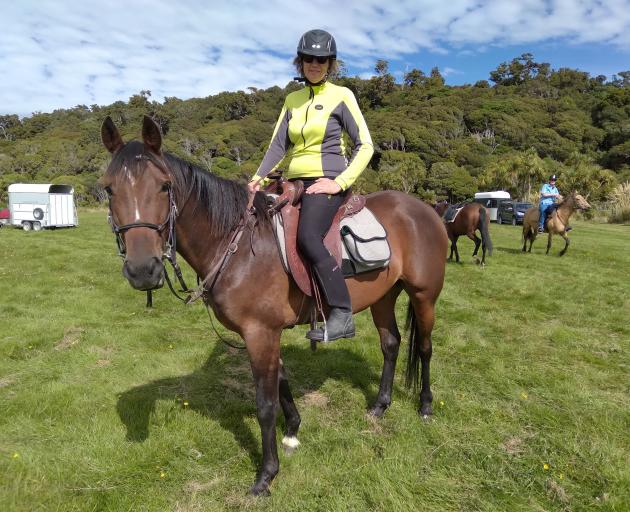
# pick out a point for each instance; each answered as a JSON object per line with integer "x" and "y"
{"x": 318, "y": 43}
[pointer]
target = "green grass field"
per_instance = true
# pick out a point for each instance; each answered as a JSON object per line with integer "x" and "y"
{"x": 106, "y": 405}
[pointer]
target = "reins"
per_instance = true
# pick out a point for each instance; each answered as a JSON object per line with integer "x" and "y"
{"x": 213, "y": 275}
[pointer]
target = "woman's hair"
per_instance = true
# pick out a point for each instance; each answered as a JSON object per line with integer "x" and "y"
{"x": 333, "y": 66}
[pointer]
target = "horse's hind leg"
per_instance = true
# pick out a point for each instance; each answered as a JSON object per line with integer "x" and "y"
{"x": 291, "y": 416}
{"x": 385, "y": 321}
{"x": 532, "y": 237}
{"x": 454, "y": 248}
{"x": 477, "y": 241}
{"x": 424, "y": 309}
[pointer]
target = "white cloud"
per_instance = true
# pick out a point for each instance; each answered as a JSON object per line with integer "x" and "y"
{"x": 59, "y": 54}
{"x": 450, "y": 71}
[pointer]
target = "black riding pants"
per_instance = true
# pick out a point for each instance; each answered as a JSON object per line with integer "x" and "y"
{"x": 316, "y": 216}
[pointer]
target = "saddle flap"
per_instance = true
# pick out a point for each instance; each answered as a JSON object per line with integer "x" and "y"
{"x": 290, "y": 211}
{"x": 358, "y": 242}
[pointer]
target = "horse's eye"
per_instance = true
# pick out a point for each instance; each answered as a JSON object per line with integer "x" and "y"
{"x": 109, "y": 191}
{"x": 165, "y": 186}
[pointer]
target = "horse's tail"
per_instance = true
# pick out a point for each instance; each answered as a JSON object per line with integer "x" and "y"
{"x": 413, "y": 354}
{"x": 484, "y": 220}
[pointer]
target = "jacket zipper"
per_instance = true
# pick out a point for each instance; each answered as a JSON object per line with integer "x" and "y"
{"x": 312, "y": 98}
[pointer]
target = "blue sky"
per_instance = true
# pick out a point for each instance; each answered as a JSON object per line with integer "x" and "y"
{"x": 61, "y": 53}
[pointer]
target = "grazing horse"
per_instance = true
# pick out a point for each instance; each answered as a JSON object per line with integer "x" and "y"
{"x": 472, "y": 217}
{"x": 250, "y": 293}
{"x": 556, "y": 223}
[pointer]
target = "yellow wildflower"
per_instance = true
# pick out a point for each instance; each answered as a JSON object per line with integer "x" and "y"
{"x": 545, "y": 466}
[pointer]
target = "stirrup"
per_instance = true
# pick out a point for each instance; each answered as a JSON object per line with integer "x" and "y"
{"x": 340, "y": 322}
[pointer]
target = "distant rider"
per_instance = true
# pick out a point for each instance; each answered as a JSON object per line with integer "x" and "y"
{"x": 548, "y": 195}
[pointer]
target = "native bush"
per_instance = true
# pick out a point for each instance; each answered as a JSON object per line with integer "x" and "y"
{"x": 620, "y": 201}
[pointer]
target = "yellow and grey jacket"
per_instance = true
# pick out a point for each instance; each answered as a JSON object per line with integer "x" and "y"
{"x": 310, "y": 129}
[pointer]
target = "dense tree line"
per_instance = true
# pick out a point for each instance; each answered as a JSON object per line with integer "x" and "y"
{"x": 431, "y": 139}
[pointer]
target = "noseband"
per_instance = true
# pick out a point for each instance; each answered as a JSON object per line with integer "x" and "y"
{"x": 167, "y": 249}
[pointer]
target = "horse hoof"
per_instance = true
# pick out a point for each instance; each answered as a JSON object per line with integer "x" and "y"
{"x": 426, "y": 411}
{"x": 290, "y": 444}
{"x": 377, "y": 411}
{"x": 260, "y": 490}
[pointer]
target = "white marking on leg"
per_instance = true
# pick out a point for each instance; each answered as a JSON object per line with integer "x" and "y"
{"x": 291, "y": 442}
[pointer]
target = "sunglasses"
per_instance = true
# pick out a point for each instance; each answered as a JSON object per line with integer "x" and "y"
{"x": 309, "y": 58}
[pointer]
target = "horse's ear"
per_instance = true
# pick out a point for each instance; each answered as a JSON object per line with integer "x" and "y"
{"x": 151, "y": 134}
{"x": 111, "y": 136}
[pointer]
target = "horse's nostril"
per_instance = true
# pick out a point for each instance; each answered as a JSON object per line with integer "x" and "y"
{"x": 128, "y": 270}
{"x": 155, "y": 266}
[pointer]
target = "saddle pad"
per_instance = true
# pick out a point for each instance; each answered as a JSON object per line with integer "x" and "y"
{"x": 364, "y": 248}
{"x": 364, "y": 242}
{"x": 451, "y": 213}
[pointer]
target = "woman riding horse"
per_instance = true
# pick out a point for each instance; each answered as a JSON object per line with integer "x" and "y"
{"x": 310, "y": 128}
{"x": 557, "y": 224}
{"x": 156, "y": 198}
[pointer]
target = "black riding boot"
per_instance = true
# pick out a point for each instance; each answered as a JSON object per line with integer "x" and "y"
{"x": 340, "y": 323}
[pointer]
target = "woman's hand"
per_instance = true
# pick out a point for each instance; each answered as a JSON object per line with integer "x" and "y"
{"x": 324, "y": 186}
{"x": 254, "y": 186}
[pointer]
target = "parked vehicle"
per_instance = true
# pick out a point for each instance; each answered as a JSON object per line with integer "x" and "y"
{"x": 34, "y": 206}
{"x": 4, "y": 216}
{"x": 512, "y": 211}
{"x": 491, "y": 201}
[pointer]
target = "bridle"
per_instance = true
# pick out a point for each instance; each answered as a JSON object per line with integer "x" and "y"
{"x": 169, "y": 247}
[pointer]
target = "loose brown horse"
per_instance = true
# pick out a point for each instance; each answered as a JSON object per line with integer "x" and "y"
{"x": 556, "y": 223}
{"x": 472, "y": 217}
{"x": 253, "y": 296}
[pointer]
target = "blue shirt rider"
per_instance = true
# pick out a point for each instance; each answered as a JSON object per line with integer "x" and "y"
{"x": 548, "y": 195}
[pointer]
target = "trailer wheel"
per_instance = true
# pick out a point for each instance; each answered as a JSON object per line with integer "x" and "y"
{"x": 38, "y": 213}
{"x": 37, "y": 226}
{"x": 27, "y": 226}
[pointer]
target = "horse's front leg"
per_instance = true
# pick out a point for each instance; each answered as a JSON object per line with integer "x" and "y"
{"x": 264, "y": 354}
{"x": 549, "y": 242}
{"x": 566, "y": 243}
{"x": 291, "y": 416}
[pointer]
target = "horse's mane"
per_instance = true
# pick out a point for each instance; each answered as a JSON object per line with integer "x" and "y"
{"x": 223, "y": 201}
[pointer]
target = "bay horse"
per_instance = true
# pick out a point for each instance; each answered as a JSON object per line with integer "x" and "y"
{"x": 253, "y": 295}
{"x": 556, "y": 224}
{"x": 472, "y": 217}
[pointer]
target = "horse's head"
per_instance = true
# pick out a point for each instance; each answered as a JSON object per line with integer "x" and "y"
{"x": 140, "y": 201}
{"x": 580, "y": 202}
{"x": 441, "y": 207}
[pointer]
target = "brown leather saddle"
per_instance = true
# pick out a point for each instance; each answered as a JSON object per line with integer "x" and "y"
{"x": 288, "y": 205}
